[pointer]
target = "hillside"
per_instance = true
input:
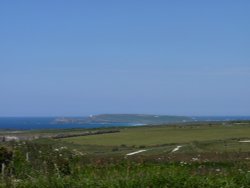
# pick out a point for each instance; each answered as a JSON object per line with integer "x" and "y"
{"x": 136, "y": 118}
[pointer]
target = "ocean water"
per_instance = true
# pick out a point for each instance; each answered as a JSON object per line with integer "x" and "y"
{"x": 221, "y": 118}
{"x": 27, "y": 123}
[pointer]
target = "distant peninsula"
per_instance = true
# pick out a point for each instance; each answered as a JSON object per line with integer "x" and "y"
{"x": 126, "y": 118}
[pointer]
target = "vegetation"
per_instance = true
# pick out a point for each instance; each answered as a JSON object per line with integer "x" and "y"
{"x": 160, "y": 135}
{"x": 210, "y": 156}
{"x": 127, "y": 118}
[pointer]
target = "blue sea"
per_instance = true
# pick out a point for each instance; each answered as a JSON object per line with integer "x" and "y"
{"x": 221, "y": 118}
{"x": 28, "y": 123}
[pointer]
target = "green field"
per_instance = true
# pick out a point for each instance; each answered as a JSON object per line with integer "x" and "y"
{"x": 199, "y": 138}
{"x": 211, "y": 156}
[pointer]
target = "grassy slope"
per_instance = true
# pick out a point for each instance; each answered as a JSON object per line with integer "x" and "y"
{"x": 137, "y": 118}
{"x": 150, "y": 136}
{"x": 51, "y": 166}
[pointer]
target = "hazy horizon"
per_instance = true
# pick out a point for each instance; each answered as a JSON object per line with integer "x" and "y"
{"x": 187, "y": 58}
{"x": 88, "y": 115}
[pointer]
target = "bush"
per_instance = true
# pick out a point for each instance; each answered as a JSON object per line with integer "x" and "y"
{"x": 5, "y": 155}
{"x": 115, "y": 149}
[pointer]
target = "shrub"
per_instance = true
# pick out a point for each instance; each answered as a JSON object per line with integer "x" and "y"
{"x": 5, "y": 155}
{"x": 115, "y": 149}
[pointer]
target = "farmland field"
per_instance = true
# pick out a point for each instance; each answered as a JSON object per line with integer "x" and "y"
{"x": 164, "y": 134}
{"x": 194, "y": 155}
{"x": 210, "y": 137}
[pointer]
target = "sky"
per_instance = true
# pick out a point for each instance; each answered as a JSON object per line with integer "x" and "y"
{"x": 76, "y": 58}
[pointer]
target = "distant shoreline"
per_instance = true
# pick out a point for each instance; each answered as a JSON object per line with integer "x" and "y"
{"x": 31, "y": 123}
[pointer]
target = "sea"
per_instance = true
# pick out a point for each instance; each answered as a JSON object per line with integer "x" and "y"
{"x": 37, "y": 123}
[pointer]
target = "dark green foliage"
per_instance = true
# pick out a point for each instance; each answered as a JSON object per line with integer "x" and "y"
{"x": 115, "y": 149}
{"x": 216, "y": 159}
{"x": 50, "y": 166}
{"x": 5, "y": 155}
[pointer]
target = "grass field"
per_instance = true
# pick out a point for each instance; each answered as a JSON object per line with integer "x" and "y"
{"x": 151, "y": 136}
{"x": 194, "y": 138}
{"x": 210, "y": 156}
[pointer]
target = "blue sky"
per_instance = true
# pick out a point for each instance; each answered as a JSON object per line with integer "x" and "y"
{"x": 73, "y": 58}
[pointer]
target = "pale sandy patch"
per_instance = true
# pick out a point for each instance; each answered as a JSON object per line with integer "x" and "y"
{"x": 176, "y": 149}
{"x": 136, "y": 152}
